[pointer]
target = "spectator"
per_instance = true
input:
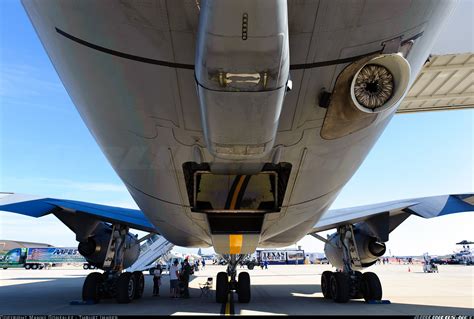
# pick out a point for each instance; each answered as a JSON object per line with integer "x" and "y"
{"x": 157, "y": 280}
{"x": 174, "y": 275}
{"x": 265, "y": 263}
{"x": 185, "y": 273}
{"x": 203, "y": 263}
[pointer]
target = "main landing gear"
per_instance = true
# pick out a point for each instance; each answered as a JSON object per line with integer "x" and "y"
{"x": 349, "y": 284}
{"x": 114, "y": 283}
{"x": 342, "y": 286}
{"x": 125, "y": 286}
{"x": 228, "y": 281}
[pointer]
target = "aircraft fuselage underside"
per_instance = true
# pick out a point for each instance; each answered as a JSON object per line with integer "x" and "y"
{"x": 232, "y": 123}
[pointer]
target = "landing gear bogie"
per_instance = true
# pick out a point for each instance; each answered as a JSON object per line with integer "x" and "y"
{"x": 342, "y": 287}
{"x": 124, "y": 287}
{"x": 347, "y": 283}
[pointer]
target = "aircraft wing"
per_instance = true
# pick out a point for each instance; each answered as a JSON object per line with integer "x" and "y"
{"x": 394, "y": 213}
{"x": 444, "y": 83}
{"x": 39, "y": 206}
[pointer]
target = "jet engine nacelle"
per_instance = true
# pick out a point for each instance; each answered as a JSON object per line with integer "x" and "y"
{"x": 368, "y": 247}
{"x": 94, "y": 249}
{"x": 380, "y": 83}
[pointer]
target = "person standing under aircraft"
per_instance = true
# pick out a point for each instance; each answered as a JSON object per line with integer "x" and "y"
{"x": 157, "y": 280}
{"x": 185, "y": 273}
{"x": 174, "y": 275}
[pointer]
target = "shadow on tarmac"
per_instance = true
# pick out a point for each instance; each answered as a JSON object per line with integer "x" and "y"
{"x": 54, "y": 297}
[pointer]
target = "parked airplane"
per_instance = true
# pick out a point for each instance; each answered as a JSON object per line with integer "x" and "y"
{"x": 235, "y": 124}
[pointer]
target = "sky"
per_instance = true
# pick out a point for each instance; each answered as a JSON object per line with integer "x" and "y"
{"x": 46, "y": 149}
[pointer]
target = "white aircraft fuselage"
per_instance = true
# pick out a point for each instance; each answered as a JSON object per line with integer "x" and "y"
{"x": 191, "y": 102}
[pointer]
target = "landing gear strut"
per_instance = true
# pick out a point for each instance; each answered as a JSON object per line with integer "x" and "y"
{"x": 349, "y": 284}
{"x": 113, "y": 283}
{"x": 227, "y": 281}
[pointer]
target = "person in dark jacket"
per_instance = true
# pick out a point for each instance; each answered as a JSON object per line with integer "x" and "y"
{"x": 186, "y": 273}
{"x": 157, "y": 280}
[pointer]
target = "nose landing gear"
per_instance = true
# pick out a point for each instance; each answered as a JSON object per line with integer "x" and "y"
{"x": 227, "y": 281}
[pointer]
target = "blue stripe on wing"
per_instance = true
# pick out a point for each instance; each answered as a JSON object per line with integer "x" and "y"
{"x": 426, "y": 207}
{"x": 33, "y": 208}
{"x": 134, "y": 218}
{"x": 436, "y": 206}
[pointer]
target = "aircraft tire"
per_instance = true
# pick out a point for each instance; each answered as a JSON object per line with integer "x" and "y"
{"x": 34, "y": 266}
{"x": 372, "y": 288}
{"x": 250, "y": 266}
{"x": 91, "y": 287}
{"x": 340, "y": 287}
{"x": 358, "y": 283}
{"x": 126, "y": 287}
{"x": 222, "y": 287}
{"x": 140, "y": 287}
{"x": 85, "y": 266}
{"x": 243, "y": 287}
{"x": 27, "y": 266}
{"x": 325, "y": 284}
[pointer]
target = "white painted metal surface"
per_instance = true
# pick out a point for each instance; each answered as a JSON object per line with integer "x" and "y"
{"x": 150, "y": 251}
{"x": 128, "y": 67}
{"x": 446, "y": 82}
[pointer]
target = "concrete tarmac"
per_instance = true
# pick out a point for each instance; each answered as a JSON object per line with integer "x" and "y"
{"x": 279, "y": 290}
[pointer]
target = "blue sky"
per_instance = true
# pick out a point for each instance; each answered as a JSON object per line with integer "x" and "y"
{"x": 45, "y": 149}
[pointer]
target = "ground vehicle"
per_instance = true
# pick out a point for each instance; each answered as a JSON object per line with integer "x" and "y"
{"x": 275, "y": 257}
{"x": 88, "y": 266}
{"x": 39, "y": 258}
{"x": 439, "y": 261}
{"x": 428, "y": 264}
{"x": 430, "y": 267}
{"x": 250, "y": 262}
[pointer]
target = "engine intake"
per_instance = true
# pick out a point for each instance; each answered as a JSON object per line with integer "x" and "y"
{"x": 380, "y": 83}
